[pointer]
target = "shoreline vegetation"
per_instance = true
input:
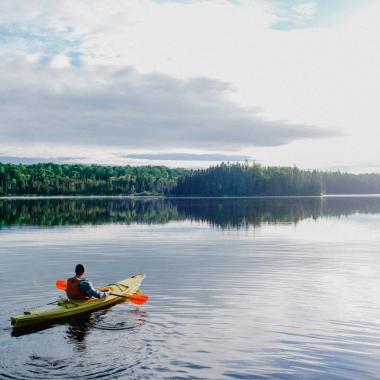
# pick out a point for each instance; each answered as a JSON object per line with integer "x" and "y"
{"x": 224, "y": 180}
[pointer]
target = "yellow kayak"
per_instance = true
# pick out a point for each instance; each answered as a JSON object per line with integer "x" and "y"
{"x": 66, "y": 308}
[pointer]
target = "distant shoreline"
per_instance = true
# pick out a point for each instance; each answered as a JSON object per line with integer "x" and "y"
{"x": 230, "y": 181}
{"x": 31, "y": 197}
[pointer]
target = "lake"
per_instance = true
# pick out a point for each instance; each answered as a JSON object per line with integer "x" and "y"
{"x": 265, "y": 288}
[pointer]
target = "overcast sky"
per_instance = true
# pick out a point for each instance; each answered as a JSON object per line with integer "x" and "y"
{"x": 189, "y": 83}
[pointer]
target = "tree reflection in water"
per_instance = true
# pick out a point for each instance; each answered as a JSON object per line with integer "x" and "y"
{"x": 219, "y": 212}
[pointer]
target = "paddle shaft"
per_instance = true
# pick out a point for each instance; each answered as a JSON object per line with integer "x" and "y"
{"x": 118, "y": 295}
{"x": 139, "y": 300}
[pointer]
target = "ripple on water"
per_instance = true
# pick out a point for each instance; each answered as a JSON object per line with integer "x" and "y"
{"x": 278, "y": 302}
{"x": 119, "y": 328}
{"x": 119, "y": 320}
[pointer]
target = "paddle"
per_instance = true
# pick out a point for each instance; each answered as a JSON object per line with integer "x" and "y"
{"x": 133, "y": 298}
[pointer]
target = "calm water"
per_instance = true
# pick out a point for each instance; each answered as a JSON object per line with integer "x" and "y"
{"x": 244, "y": 289}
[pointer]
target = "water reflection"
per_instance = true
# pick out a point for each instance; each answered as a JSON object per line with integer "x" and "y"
{"x": 80, "y": 333}
{"x": 59, "y": 212}
{"x": 276, "y": 302}
{"x": 79, "y": 326}
{"x": 223, "y": 213}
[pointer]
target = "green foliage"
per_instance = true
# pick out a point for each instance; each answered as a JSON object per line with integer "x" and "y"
{"x": 248, "y": 180}
{"x": 256, "y": 180}
{"x": 53, "y": 179}
{"x": 232, "y": 180}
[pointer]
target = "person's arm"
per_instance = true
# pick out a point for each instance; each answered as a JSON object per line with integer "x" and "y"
{"x": 86, "y": 287}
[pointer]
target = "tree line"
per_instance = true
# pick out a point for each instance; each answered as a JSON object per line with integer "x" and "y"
{"x": 219, "y": 181}
{"x": 55, "y": 179}
{"x": 256, "y": 180}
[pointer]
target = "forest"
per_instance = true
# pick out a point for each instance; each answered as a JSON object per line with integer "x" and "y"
{"x": 248, "y": 180}
{"x": 55, "y": 179}
{"x": 224, "y": 180}
{"x": 256, "y": 180}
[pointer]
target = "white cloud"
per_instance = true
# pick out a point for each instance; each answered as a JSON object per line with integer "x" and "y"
{"x": 104, "y": 107}
{"x": 60, "y": 61}
{"x": 305, "y": 9}
{"x": 325, "y": 77}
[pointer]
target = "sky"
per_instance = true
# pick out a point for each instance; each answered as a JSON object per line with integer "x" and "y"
{"x": 191, "y": 83}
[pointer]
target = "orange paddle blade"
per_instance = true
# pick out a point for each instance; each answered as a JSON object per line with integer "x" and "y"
{"x": 138, "y": 298}
{"x": 61, "y": 284}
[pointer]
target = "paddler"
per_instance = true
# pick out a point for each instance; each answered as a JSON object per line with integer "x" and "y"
{"x": 79, "y": 288}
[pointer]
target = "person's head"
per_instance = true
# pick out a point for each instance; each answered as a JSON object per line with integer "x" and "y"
{"x": 79, "y": 269}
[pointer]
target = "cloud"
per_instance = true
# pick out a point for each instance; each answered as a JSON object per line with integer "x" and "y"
{"x": 294, "y": 14}
{"x": 186, "y": 157}
{"x": 315, "y": 69}
{"x": 36, "y": 160}
{"x": 305, "y": 9}
{"x": 101, "y": 106}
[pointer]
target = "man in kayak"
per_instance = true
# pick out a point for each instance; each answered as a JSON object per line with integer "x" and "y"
{"x": 79, "y": 288}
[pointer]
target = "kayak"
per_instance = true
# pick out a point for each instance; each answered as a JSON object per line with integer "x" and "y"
{"x": 66, "y": 308}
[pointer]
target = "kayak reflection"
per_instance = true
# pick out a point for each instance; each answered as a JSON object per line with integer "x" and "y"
{"x": 78, "y": 327}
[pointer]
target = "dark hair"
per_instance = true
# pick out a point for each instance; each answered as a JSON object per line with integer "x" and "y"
{"x": 79, "y": 269}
